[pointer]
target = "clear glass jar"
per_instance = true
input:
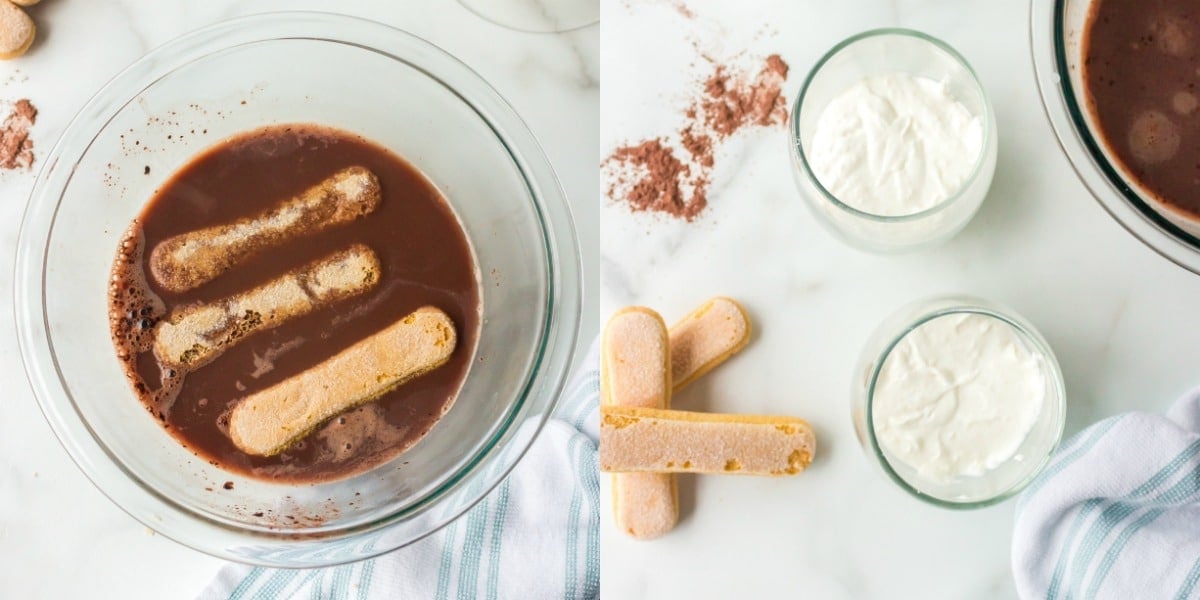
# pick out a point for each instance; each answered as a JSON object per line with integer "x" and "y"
{"x": 962, "y": 492}
{"x": 884, "y": 52}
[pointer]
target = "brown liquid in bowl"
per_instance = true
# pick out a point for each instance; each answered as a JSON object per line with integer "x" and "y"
{"x": 425, "y": 260}
{"x": 1141, "y": 70}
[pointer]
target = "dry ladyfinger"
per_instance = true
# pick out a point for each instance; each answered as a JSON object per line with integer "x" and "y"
{"x": 16, "y": 31}
{"x": 635, "y": 371}
{"x": 716, "y": 330}
{"x": 674, "y": 441}
{"x": 646, "y": 504}
{"x": 267, "y": 422}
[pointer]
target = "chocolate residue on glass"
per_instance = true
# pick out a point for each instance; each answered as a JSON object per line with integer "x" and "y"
{"x": 650, "y": 175}
{"x": 16, "y": 147}
{"x": 424, "y": 256}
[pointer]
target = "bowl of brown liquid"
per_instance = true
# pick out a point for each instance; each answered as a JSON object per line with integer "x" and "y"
{"x": 297, "y": 289}
{"x": 1120, "y": 82}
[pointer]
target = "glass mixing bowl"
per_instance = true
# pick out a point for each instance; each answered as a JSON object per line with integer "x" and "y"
{"x": 390, "y": 87}
{"x": 1056, "y": 39}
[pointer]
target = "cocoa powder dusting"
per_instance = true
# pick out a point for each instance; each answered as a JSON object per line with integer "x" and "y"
{"x": 731, "y": 103}
{"x": 659, "y": 181}
{"x": 699, "y": 145}
{"x": 649, "y": 176}
{"x": 16, "y": 149}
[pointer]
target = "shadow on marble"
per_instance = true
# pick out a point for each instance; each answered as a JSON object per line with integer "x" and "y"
{"x": 1007, "y": 206}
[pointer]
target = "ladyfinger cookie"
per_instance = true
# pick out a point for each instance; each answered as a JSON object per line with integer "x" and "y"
{"x": 194, "y": 335}
{"x": 267, "y": 422}
{"x": 192, "y": 259}
{"x": 673, "y": 441}
{"x": 716, "y": 330}
{"x": 635, "y": 360}
{"x": 17, "y": 31}
{"x": 635, "y": 371}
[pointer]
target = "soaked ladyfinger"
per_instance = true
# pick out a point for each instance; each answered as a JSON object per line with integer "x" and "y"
{"x": 195, "y": 335}
{"x": 635, "y": 372}
{"x": 191, "y": 259}
{"x": 267, "y": 422}
{"x": 651, "y": 440}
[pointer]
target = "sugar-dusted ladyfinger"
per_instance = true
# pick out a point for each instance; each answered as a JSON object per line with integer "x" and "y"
{"x": 716, "y": 330}
{"x": 673, "y": 441}
{"x": 267, "y": 422}
{"x": 16, "y": 31}
{"x": 635, "y": 371}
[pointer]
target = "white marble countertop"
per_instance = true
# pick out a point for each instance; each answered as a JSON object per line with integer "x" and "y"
{"x": 59, "y": 537}
{"x": 1121, "y": 319}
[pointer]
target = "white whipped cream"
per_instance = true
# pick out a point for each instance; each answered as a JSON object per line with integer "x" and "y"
{"x": 895, "y": 145}
{"x": 957, "y": 396}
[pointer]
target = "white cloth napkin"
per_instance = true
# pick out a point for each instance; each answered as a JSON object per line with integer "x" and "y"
{"x": 1116, "y": 514}
{"x": 535, "y": 536}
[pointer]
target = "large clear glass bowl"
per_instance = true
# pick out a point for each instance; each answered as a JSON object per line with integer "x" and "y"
{"x": 1056, "y": 39}
{"x": 357, "y": 75}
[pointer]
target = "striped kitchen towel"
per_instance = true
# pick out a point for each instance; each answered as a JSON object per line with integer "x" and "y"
{"x": 1116, "y": 514}
{"x": 535, "y": 536}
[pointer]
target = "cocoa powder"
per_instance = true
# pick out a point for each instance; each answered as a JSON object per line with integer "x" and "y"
{"x": 658, "y": 181}
{"x": 650, "y": 176}
{"x": 16, "y": 149}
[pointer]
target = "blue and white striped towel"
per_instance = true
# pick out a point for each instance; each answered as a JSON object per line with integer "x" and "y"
{"x": 1117, "y": 512}
{"x": 535, "y": 536}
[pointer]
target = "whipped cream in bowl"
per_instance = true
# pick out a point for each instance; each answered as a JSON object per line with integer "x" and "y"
{"x": 959, "y": 401}
{"x": 893, "y": 141}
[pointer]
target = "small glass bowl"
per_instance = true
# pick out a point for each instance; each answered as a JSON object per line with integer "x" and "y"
{"x": 965, "y": 492}
{"x": 357, "y": 75}
{"x": 883, "y": 52}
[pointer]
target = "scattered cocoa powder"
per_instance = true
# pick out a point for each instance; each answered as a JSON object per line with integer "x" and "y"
{"x": 16, "y": 149}
{"x": 649, "y": 176}
{"x": 683, "y": 10}
{"x": 731, "y": 103}
{"x": 699, "y": 145}
{"x": 658, "y": 181}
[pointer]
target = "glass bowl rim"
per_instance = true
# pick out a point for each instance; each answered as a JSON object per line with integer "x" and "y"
{"x": 554, "y": 354}
{"x": 801, "y": 157}
{"x": 1073, "y": 135}
{"x": 960, "y": 304}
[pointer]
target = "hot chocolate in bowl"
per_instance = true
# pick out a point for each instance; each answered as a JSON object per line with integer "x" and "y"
{"x": 1119, "y": 80}
{"x": 459, "y": 142}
